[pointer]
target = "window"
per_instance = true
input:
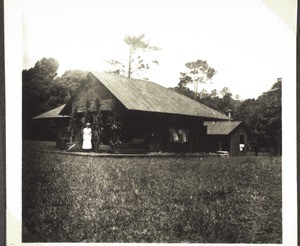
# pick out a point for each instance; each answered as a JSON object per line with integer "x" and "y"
{"x": 242, "y": 139}
{"x": 178, "y": 135}
{"x": 242, "y": 142}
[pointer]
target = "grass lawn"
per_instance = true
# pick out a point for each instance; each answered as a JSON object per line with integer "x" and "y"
{"x": 68, "y": 198}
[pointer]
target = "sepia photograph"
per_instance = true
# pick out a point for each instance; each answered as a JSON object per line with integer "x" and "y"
{"x": 151, "y": 121}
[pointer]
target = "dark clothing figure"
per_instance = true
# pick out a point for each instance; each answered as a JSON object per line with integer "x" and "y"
{"x": 256, "y": 148}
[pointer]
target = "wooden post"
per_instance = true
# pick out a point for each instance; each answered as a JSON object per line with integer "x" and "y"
{"x": 197, "y": 138}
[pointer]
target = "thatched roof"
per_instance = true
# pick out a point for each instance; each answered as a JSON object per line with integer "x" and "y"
{"x": 52, "y": 114}
{"x": 221, "y": 127}
{"x": 147, "y": 96}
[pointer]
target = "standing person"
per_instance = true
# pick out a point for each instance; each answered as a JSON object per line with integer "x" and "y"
{"x": 87, "y": 138}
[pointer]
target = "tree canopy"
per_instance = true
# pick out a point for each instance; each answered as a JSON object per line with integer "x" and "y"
{"x": 71, "y": 79}
{"x": 137, "y": 60}
{"x": 198, "y": 72}
{"x": 44, "y": 90}
{"x": 220, "y": 101}
{"x": 40, "y": 90}
{"x": 261, "y": 116}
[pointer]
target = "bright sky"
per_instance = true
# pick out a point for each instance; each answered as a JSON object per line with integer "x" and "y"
{"x": 248, "y": 45}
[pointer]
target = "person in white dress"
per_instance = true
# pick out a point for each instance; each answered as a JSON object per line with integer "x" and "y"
{"x": 87, "y": 137}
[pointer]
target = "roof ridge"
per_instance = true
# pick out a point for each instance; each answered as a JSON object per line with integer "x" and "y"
{"x": 172, "y": 99}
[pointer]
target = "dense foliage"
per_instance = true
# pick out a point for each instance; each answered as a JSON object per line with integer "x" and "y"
{"x": 70, "y": 198}
{"x": 261, "y": 116}
{"x": 106, "y": 129}
{"x": 221, "y": 101}
{"x": 40, "y": 92}
{"x": 43, "y": 90}
{"x": 198, "y": 72}
{"x": 71, "y": 80}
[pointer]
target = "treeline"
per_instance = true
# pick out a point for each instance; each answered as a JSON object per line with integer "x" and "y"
{"x": 261, "y": 116}
{"x": 43, "y": 90}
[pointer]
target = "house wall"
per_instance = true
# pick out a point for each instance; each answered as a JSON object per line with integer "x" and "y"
{"x": 177, "y": 124}
{"x": 92, "y": 92}
{"x": 142, "y": 128}
{"x": 46, "y": 129}
{"x": 215, "y": 143}
{"x": 153, "y": 130}
{"x": 194, "y": 130}
{"x": 230, "y": 143}
{"x": 235, "y": 142}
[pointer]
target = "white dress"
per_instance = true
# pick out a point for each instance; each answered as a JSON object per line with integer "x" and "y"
{"x": 87, "y": 138}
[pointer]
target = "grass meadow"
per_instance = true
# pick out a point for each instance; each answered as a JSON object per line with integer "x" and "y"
{"x": 71, "y": 198}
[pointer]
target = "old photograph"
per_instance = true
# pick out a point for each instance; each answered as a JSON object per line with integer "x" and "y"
{"x": 155, "y": 121}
